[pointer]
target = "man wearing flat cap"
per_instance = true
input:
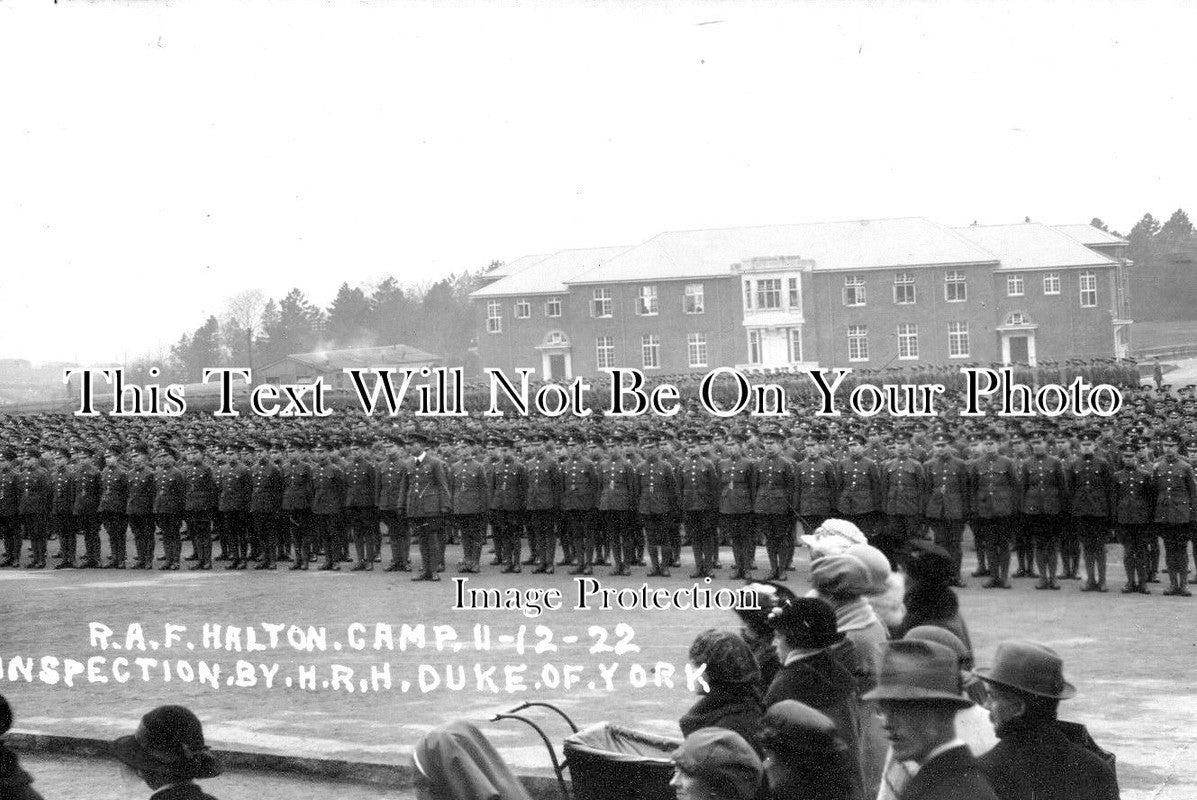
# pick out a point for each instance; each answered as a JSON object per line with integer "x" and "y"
{"x": 1038, "y": 757}
{"x": 919, "y": 690}
{"x": 427, "y": 502}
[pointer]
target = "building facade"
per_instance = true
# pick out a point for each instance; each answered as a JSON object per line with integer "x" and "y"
{"x": 866, "y": 294}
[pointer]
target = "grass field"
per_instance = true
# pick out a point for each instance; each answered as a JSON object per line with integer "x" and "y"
{"x": 1149, "y": 335}
{"x": 1130, "y": 656}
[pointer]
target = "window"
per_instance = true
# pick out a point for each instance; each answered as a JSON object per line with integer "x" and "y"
{"x": 650, "y": 350}
{"x": 692, "y": 300}
{"x": 523, "y": 309}
{"x": 556, "y": 338}
{"x": 696, "y": 349}
{"x": 600, "y": 306}
{"x": 747, "y": 295}
{"x": 552, "y": 307}
{"x": 858, "y": 342}
{"x": 958, "y": 340}
{"x": 1051, "y": 283}
{"x": 908, "y": 340}
{"x": 1017, "y": 318}
{"x": 955, "y": 289}
{"x": 1088, "y": 289}
{"x": 1014, "y": 286}
{"x": 795, "y": 294}
{"x": 854, "y": 291}
{"x": 494, "y": 316}
{"x": 605, "y": 352}
{"x": 768, "y": 293}
{"x": 754, "y": 346}
{"x": 795, "y": 342}
{"x": 904, "y": 289}
{"x": 646, "y": 302}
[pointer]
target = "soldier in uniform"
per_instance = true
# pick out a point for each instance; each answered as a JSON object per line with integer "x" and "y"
{"x": 233, "y": 508}
{"x": 10, "y": 520}
{"x": 737, "y": 493}
{"x": 170, "y": 503}
{"x": 617, "y": 504}
{"x": 1133, "y": 505}
{"x": 949, "y": 499}
{"x": 579, "y": 496}
{"x": 1024, "y": 544}
{"x": 700, "y": 487}
{"x": 361, "y": 496}
{"x": 859, "y": 489}
{"x": 114, "y": 498}
{"x": 266, "y": 505}
{"x": 139, "y": 506}
{"x": 1145, "y": 457}
{"x": 773, "y": 505}
{"x": 541, "y": 504}
{"x": 1044, "y": 492}
{"x": 904, "y": 488}
{"x": 508, "y": 488}
{"x": 392, "y": 488}
{"x": 1175, "y": 500}
{"x": 470, "y": 488}
{"x": 996, "y": 496}
{"x": 199, "y": 505}
{"x": 1090, "y": 503}
{"x": 297, "y": 505}
{"x": 658, "y": 503}
{"x": 328, "y": 498}
{"x": 816, "y": 486}
{"x": 62, "y": 522}
{"x": 85, "y": 504}
{"x": 33, "y": 505}
{"x": 428, "y": 501}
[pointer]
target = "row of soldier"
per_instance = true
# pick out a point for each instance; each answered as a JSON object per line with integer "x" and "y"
{"x": 615, "y": 497}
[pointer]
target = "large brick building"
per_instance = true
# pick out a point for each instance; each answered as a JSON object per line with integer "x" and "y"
{"x": 868, "y": 293}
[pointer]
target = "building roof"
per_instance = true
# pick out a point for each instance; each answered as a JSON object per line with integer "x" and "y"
{"x": 549, "y": 275}
{"x": 858, "y": 244}
{"x": 1030, "y": 245}
{"x": 1089, "y": 235}
{"x": 361, "y": 357}
{"x": 512, "y": 267}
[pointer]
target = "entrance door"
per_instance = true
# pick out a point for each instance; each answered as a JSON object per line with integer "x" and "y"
{"x": 1019, "y": 352}
{"x": 556, "y": 367}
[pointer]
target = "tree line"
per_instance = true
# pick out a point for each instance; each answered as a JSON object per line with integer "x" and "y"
{"x": 1163, "y": 278}
{"x": 255, "y": 330}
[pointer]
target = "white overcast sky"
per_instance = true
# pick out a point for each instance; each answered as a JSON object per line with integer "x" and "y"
{"x": 159, "y": 157}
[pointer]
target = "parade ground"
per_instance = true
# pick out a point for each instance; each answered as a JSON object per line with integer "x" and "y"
{"x": 1129, "y": 655}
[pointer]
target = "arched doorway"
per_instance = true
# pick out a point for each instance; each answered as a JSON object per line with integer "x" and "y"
{"x": 1018, "y": 339}
{"x": 556, "y": 363}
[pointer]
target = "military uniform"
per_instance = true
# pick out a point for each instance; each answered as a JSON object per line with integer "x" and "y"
{"x": 1090, "y": 499}
{"x": 33, "y": 505}
{"x": 1132, "y": 499}
{"x": 266, "y": 509}
{"x": 773, "y": 508}
{"x": 470, "y": 487}
{"x": 949, "y": 500}
{"x": 737, "y": 491}
{"x": 1044, "y": 491}
{"x": 903, "y": 484}
{"x": 10, "y": 520}
{"x": 199, "y": 504}
{"x": 658, "y": 502}
{"x": 508, "y": 488}
{"x": 700, "y": 489}
{"x": 328, "y": 499}
{"x": 361, "y": 491}
{"x": 392, "y": 486}
{"x": 617, "y": 509}
{"x": 579, "y": 496}
{"x": 85, "y": 505}
{"x": 139, "y": 511}
{"x": 542, "y": 505}
{"x": 114, "y": 499}
{"x": 297, "y": 509}
{"x": 428, "y": 501}
{"x": 170, "y": 504}
{"x": 1175, "y": 500}
{"x": 233, "y": 517}
{"x": 996, "y": 487}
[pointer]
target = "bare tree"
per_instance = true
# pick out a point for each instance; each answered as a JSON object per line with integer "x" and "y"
{"x": 244, "y": 311}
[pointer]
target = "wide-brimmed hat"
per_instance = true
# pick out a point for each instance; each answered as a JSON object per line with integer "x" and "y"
{"x": 806, "y": 622}
{"x": 170, "y": 740}
{"x": 723, "y": 760}
{"x": 919, "y": 671}
{"x": 1030, "y": 668}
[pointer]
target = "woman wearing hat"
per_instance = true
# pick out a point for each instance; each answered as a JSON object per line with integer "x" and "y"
{"x": 733, "y": 699}
{"x": 930, "y": 599}
{"x": 14, "y": 781}
{"x": 804, "y": 635}
{"x": 168, "y": 752}
{"x": 1038, "y": 757}
{"x": 716, "y": 764}
{"x": 805, "y": 757}
{"x": 842, "y": 581}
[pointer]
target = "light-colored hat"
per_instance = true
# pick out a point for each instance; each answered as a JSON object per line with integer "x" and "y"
{"x": 833, "y": 536}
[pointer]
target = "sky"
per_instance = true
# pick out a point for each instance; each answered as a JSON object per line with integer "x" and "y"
{"x": 160, "y": 157}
